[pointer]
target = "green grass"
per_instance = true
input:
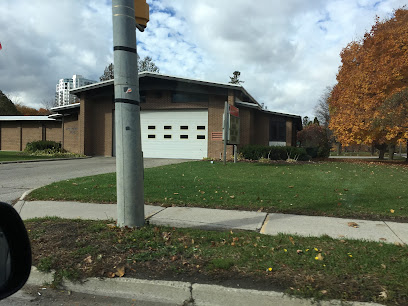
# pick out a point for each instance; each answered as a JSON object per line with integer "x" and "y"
{"x": 6, "y": 156}
{"x": 365, "y": 190}
{"x": 17, "y": 156}
{"x": 345, "y": 269}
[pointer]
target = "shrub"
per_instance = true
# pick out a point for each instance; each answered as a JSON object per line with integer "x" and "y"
{"x": 316, "y": 141}
{"x": 256, "y": 152}
{"x": 41, "y": 145}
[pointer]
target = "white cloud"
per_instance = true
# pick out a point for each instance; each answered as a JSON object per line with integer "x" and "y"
{"x": 287, "y": 51}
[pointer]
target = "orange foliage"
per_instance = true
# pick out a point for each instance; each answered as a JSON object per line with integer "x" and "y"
{"x": 29, "y": 111}
{"x": 373, "y": 70}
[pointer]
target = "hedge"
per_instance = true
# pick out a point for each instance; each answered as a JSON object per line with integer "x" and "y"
{"x": 255, "y": 152}
{"x": 43, "y": 145}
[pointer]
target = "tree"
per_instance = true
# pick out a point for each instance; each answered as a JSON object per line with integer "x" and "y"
{"x": 30, "y": 111}
{"x": 306, "y": 121}
{"x": 373, "y": 70}
{"x": 7, "y": 108}
{"x": 314, "y": 138}
{"x": 235, "y": 78}
{"x": 107, "y": 74}
{"x": 145, "y": 64}
{"x": 322, "y": 111}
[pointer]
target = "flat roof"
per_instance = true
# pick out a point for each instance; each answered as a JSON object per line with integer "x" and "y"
{"x": 25, "y": 118}
{"x": 251, "y": 105}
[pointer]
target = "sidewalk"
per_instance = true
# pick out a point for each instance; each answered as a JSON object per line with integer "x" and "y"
{"x": 204, "y": 218}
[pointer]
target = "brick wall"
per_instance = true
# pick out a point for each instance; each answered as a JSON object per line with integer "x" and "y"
{"x": 10, "y": 136}
{"x": 71, "y": 134}
{"x": 53, "y": 131}
{"x": 261, "y": 129}
{"x": 289, "y": 132}
{"x": 31, "y": 131}
{"x": 215, "y": 117}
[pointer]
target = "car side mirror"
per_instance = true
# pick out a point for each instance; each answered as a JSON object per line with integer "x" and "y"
{"x": 15, "y": 251}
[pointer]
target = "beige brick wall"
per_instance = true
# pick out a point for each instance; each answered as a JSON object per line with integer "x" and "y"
{"x": 71, "y": 134}
{"x": 53, "y": 131}
{"x": 10, "y": 136}
{"x": 31, "y": 131}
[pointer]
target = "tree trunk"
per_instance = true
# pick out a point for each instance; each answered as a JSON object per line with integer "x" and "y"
{"x": 382, "y": 153}
{"x": 339, "y": 148}
{"x": 391, "y": 151}
{"x": 372, "y": 150}
{"x": 406, "y": 160}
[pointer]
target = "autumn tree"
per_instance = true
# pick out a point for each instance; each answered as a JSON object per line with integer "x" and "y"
{"x": 373, "y": 70}
{"x": 30, "y": 111}
{"x": 235, "y": 78}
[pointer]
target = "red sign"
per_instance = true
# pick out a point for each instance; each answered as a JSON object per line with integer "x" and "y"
{"x": 233, "y": 111}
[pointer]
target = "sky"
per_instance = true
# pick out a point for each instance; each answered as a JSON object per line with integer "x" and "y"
{"x": 288, "y": 51}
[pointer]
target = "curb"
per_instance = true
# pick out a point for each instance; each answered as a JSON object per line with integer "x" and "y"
{"x": 41, "y": 160}
{"x": 180, "y": 293}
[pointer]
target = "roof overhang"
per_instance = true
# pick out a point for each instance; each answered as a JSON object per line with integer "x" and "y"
{"x": 26, "y": 118}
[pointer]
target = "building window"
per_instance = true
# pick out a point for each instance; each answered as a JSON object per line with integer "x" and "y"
{"x": 151, "y": 127}
{"x": 200, "y": 127}
{"x": 167, "y": 136}
{"x": 151, "y": 136}
{"x": 183, "y": 97}
{"x": 183, "y": 136}
{"x": 200, "y": 136}
{"x": 167, "y": 127}
{"x": 184, "y": 127}
{"x": 277, "y": 129}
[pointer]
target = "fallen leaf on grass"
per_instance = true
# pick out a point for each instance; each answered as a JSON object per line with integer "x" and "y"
{"x": 383, "y": 239}
{"x": 111, "y": 274}
{"x": 392, "y": 211}
{"x": 383, "y": 295}
{"x": 383, "y": 266}
{"x": 353, "y": 224}
{"x": 291, "y": 240}
{"x": 319, "y": 256}
{"x": 291, "y": 186}
{"x": 232, "y": 197}
{"x": 88, "y": 259}
{"x": 299, "y": 252}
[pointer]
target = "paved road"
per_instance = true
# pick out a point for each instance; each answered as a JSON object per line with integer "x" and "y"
{"x": 17, "y": 178}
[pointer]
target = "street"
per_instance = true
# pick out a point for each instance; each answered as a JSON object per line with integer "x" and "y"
{"x": 17, "y": 178}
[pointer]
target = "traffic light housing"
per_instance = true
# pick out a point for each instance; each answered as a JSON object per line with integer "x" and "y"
{"x": 141, "y": 14}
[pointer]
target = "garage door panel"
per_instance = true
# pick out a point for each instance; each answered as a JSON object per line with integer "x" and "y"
{"x": 175, "y": 134}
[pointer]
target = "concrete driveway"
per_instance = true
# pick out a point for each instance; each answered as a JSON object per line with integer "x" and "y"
{"x": 16, "y": 178}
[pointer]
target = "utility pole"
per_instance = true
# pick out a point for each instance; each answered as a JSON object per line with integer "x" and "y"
{"x": 129, "y": 156}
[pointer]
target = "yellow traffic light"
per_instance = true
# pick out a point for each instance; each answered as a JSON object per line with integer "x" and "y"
{"x": 141, "y": 13}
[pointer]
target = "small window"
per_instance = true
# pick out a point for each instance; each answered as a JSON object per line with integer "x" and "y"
{"x": 184, "y": 127}
{"x": 200, "y": 127}
{"x": 200, "y": 136}
{"x": 167, "y": 127}
{"x": 167, "y": 136}
{"x": 151, "y": 136}
{"x": 151, "y": 127}
{"x": 183, "y": 136}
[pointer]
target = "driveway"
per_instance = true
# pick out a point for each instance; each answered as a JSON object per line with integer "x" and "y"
{"x": 17, "y": 178}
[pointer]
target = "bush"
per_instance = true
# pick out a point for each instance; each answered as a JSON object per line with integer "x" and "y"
{"x": 256, "y": 152}
{"x": 316, "y": 141}
{"x": 41, "y": 145}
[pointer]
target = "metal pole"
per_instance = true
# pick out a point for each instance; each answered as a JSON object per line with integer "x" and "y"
{"x": 235, "y": 154}
{"x": 129, "y": 156}
{"x": 225, "y": 132}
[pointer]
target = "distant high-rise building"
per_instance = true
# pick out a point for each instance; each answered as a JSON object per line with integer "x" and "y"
{"x": 62, "y": 95}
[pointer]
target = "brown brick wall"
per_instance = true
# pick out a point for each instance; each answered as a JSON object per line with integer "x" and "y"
{"x": 215, "y": 117}
{"x": 10, "y": 136}
{"x": 245, "y": 125}
{"x": 32, "y": 131}
{"x": 162, "y": 100}
{"x": 261, "y": 129}
{"x": 53, "y": 131}
{"x": 289, "y": 132}
{"x": 99, "y": 126}
{"x": 71, "y": 134}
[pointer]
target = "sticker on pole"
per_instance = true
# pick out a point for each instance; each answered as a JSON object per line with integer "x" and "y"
{"x": 129, "y": 90}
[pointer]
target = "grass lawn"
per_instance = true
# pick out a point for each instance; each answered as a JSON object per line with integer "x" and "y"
{"x": 322, "y": 268}
{"x": 344, "y": 189}
{"x": 17, "y": 156}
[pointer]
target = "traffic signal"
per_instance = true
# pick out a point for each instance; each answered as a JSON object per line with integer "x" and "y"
{"x": 141, "y": 14}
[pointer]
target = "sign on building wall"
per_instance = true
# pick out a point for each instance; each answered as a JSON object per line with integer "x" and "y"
{"x": 232, "y": 122}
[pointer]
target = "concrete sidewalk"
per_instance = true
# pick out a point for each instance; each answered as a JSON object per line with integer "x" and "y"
{"x": 204, "y": 218}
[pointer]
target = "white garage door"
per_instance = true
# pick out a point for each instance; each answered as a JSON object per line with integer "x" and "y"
{"x": 174, "y": 133}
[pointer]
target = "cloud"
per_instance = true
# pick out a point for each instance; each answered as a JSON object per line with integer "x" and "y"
{"x": 287, "y": 51}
